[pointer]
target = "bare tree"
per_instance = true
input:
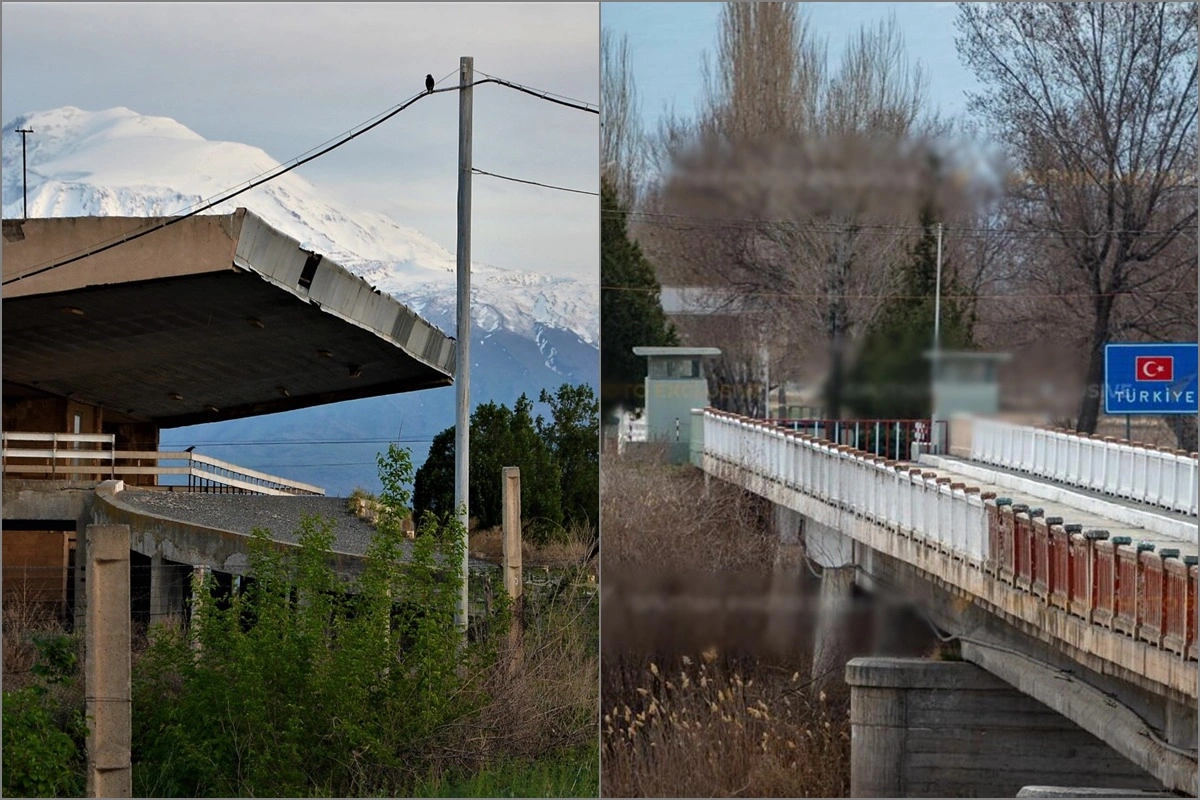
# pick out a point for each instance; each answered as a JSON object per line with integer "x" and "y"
{"x": 622, "y": 143}
{"x": 794, "y": 185}
{"x": 1097, "y": 105}
{"x": 768, "y": 74}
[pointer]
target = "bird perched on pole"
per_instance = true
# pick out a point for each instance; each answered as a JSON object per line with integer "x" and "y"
{"x": 429, "y": 83}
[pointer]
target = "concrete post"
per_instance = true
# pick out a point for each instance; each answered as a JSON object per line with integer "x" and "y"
{"x": 786, "y": 617}
{"x": 511, "y": 499}
{"x": 107, "y": 669}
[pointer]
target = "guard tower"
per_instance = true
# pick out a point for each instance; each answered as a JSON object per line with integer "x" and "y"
{"x": 675, "y": 384}
{"x": 964, "y": 383}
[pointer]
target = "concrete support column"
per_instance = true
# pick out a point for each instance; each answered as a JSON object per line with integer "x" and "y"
{"x": 168, "y": 582}
{"x": 107, "y": 668}
{"x": 1181, "y": 725}
{"x": 787, "y": 613}
{"x": 922, "y": 728}
{"x": 832, "y": 637}
{"x": 80, "y": 576}
{"x": 160, "y": 598}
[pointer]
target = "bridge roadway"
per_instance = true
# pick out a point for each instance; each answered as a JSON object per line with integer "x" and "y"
{"x": 1076, "y": 596}
{"x": 1091, "y": 510}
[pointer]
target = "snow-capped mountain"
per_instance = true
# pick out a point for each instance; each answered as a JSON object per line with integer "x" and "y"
{"x": 120, "y": 163}
{"x": 537, "y": 331}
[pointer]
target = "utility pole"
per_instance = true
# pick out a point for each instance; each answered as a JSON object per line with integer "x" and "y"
{"x": 462, "y": 367}
{"x": 934, "y": 435}
{"x": 24, "y": 175}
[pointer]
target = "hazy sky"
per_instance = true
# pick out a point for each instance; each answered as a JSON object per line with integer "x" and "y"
{"x": 668, "y": 43}
{"x": 289, "y": 76}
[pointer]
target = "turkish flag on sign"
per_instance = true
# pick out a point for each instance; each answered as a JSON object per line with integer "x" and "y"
{"x": 1154, "y": 368}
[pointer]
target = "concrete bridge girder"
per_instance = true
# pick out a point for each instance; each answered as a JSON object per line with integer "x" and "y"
{"x": 965, "y": 600}
{"x": 1105, "y": 651}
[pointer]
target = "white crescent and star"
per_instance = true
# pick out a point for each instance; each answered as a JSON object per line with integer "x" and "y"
{"x": 1152, "y": 369}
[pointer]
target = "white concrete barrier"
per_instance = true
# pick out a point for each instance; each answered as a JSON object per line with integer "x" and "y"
{"x": 898, "y": 496}
{"x": 1146, "y": 474}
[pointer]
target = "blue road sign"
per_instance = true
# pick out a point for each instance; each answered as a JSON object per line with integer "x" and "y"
{"x": 1150, "y": 378}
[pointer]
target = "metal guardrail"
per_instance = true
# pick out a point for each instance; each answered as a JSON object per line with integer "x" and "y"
{"x": 92, "y": 456}
{"x": 891, "y": 438}
{"x": 1155, "y": 475}
{"x": 1111, "y": 583}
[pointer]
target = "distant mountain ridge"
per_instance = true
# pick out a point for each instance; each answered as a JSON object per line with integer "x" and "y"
{"x": 531, "y": 331}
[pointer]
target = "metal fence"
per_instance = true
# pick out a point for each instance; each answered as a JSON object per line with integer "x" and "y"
{"x": 93, "y": 457}
{"x": 890, "y": 438}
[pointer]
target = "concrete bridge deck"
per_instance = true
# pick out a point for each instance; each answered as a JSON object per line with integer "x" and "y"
{"x": 1092, "y": 510}
{"x": 1056, "y": 602}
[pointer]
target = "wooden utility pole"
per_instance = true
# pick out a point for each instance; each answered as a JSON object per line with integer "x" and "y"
{"x": 462, "y": 367}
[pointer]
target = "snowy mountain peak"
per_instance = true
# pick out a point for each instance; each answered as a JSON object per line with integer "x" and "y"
{"x": 117, "y": 162}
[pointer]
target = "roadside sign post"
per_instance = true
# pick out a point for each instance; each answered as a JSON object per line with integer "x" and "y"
{"x": 1150, "y": 378}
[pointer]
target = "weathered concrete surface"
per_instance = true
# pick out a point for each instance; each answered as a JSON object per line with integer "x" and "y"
{"x": 922, "y": 728}
{"x": 1094, "y": 711}
{"x": 107, "y": 665}
{"x": 1086, "y": 791}
{"x": 196, "y": 543}
{"x": 953, "y": 611}
{"x": 1100, "y": 649}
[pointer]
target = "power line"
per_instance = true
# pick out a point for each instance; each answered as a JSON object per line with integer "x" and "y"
{"x": 546, "y": 95}
{"x": 888, "y": 296}
{"x": 300, "y": 161}
{"x": 250, "y": 185}
{"x": 403, "y": 440}
{"x": 679, "y": 222}
{"x": 222, "y": 194}
{"x": 533, "y": 183}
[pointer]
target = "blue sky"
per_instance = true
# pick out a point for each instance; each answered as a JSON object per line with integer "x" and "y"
{"x": 668, "y": 42}
{"x": 288, "y": 76}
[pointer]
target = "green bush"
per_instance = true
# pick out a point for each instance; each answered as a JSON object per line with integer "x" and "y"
{"x": 305, "y": 684}
{"x": 44, "y": 738}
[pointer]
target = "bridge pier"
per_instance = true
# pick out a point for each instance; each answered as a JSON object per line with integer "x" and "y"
{"x": 833, "y": 637}
{"x": 922, "y": 728}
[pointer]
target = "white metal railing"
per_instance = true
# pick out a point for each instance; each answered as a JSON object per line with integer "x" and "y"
{"x": 892, "y": 494}
{"x": 1147, "y": 474}
{"x": 92, "y": 456}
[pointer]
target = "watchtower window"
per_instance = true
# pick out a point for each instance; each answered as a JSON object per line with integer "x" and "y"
{"x": 681, "y": 368}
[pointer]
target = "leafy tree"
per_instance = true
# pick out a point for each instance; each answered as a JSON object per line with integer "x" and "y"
{"x": 629, "y": 306}
{"x": 500, "y": 437}
{"x": 434, "y": 487}
{"x": 574, "y": 439}
{"x": 891, "y": 378}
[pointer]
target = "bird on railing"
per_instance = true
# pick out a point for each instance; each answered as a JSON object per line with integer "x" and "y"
{"x": 190, "y": 449}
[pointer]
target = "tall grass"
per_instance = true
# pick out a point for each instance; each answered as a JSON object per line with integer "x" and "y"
{"x": 702, "y": 730}
{"x": 707, "y": 646}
